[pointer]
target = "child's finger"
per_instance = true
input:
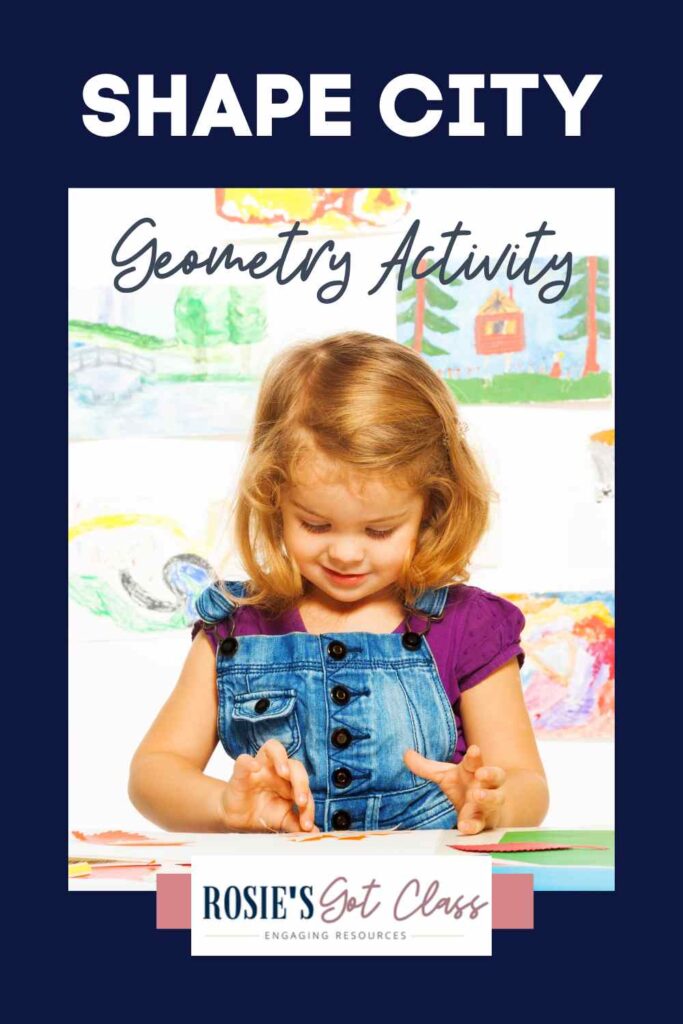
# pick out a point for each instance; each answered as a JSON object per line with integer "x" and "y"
{"x": 302, "y": 793}
{"x": 272, "y": 752}
{"x": 291, "y": 822}
{"x": 250, "y": 772}
{"x": 245, "y": 767}
{"x": 470, "y": 819}
{"x": 426, "y": 768}
{"x": 472, "y": 759}
{"x": 489, "y": 776}
{"x": 486, "y": 800}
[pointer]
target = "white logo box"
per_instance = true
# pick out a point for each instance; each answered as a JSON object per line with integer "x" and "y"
{"x": 271, "y": 904}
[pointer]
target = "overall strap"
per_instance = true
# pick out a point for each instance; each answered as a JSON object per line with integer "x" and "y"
{"x": 213, "y": 606}
{"x": 433, "y": 602}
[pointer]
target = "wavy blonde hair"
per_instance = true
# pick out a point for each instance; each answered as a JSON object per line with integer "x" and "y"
{"x": 374, "y": 407}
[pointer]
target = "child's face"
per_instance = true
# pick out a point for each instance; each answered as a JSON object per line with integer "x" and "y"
{"x": 349, "y": 539}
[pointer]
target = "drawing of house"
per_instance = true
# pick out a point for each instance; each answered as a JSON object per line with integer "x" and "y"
{"x": 499, "y": 325}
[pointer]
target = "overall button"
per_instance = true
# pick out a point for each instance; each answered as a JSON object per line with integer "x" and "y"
{"x": 411, "y": 641}
{"x": 229, "y": 646}
{"x": 261, "y": 705}
{"x": 337, "y": 650}
{"x": 340, "y": 695}
{"x": 341, "y": 820}
{"x": 341, "y": 777}
{"x": 341, "y": 737}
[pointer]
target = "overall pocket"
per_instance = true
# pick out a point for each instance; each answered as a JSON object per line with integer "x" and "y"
{"x": 266, "y": 715}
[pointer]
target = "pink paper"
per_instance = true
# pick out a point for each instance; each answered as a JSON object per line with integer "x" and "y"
{"x": 126, "y": 839}
{"x": 131, "y": 872}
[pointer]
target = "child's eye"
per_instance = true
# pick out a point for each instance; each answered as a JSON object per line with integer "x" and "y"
{"x": 316, "y": 528}
{"x": 313, "y": 528}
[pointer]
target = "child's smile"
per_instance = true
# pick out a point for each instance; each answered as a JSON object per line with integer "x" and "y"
{"x": 349, "y": 539}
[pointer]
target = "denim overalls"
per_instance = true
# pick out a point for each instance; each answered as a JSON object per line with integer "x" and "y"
{"x": 347, "y": 705}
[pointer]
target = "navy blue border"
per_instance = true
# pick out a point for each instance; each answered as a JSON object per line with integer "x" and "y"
{"x": 88, "y": 944}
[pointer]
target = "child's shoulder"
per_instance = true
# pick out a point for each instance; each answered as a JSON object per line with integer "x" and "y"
{"x": 483, "y": 609}
{"x": 486, "y": 633}
{"x": 213, "y": 604}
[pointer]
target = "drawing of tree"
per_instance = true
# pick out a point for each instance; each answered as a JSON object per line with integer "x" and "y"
{"x": 417, "y": 305}
{"x": 246, "y": 319}
{"x": 590, "y": 290}
{"x": 192, "y": 322}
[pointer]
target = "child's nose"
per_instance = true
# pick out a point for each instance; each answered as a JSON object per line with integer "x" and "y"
{"x": 345, "y": 551}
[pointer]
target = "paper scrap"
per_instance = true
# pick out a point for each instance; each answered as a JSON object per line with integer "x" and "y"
{"x": 126, "y": 839}
{"x": 78, "y": 869}
{"x": 519, "y": 847}
{"x": 132, "y": 872}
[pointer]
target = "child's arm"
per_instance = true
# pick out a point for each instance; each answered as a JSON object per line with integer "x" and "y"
{"x": 501, "y": 780}
{"x": 167, "y": 781}
{"x": 509, "y": 784}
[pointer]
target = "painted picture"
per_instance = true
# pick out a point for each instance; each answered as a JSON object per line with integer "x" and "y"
{"x": 568, "y": 674}
{"x": 493, "y": 342}
{"x": 331, "y": 210}
{"x": 141, "y": 569}
{"x": 602, "y": 451}
{"x": 186, "y": 364}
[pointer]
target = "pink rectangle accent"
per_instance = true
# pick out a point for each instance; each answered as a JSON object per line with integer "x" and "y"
{"x": 173, "y": 901}
{"x": 513, "y": 901}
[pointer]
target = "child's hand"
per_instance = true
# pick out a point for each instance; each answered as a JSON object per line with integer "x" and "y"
{"x": 263, "y": 792}
{"x": 476, "y": 791}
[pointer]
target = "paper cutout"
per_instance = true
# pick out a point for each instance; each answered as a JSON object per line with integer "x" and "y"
{"x": 586, "y": 857}
{"x": 519, "y": 847}
{"x": 131, "y": 872}
{"x": 334, "y": 835}
{"x": 79, "y": 868}
{"x": 125, "y": 839}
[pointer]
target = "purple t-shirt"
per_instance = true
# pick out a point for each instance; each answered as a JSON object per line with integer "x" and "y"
{"x": 478, "y": 633}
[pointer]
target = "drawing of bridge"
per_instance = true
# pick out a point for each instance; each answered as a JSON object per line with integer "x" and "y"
{"x": 99, "y": 375}
{"x": 96, "y": 356}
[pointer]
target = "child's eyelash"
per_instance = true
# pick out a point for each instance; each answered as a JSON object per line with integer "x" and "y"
{"x": 377, "y": 534}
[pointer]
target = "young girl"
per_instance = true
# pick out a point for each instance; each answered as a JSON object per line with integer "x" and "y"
{"x": 355, "y": 679}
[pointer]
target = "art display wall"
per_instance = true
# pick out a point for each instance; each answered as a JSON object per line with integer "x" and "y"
{"x": 162, "y": 385}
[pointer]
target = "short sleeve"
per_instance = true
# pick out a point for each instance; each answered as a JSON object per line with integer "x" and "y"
{"x": 491, "y": 638}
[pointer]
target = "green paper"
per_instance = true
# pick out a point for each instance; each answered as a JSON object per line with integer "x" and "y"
{"x": 575, "y": 858}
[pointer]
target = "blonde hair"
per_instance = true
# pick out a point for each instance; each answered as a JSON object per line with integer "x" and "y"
{"x": 374, "y": 407}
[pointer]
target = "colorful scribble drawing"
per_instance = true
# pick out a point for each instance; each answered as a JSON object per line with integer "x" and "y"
{"x": 568, "y": 675}
{"x": 332, "y": 209}
{"x": 499, "y": 344}
{"x": 602, "y": 450}
{"x": 138, "y": 570}
{"x": 196, "y": 375}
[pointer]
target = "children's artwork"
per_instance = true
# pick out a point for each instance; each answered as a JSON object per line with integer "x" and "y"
{"x": 330, "y": 210}
{"x": 140, "y": 570}
{"x": 186, "y": 364}
{"x": 495, "y": 343}
{"x": 602, "y": 451}
{"x": 568, "y": 674}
